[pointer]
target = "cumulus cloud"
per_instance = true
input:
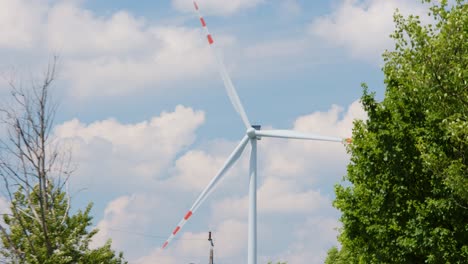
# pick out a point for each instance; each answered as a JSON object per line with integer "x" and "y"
{"x": 127, "y": 219}
{"x": 363, "y": 26}
{"x": 312, "y": 241}
{"x": 195, "y": 169}
{"x": 132, "y": 216}
{"x": 215, "y": 6}
{"x": 122, "y": 54}
{"x": 333, "y": 122}
{"x": 20, "y": 23}
{"x": 275, "y": 196}
{"x": 106, "y": 55}
{"x": 121, "y": 212}
{"x": 285, "y": 196}
{"x": 140, "y": 151}
{"x": 229, "y": 237}
{"x": 76, "y": 31}
{"x": 283, "y": 158}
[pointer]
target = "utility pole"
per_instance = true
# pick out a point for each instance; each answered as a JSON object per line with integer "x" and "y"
{"x": 211, "y": 249}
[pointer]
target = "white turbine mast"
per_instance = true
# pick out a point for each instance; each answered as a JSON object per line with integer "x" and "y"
{"x": 252, "y": 135}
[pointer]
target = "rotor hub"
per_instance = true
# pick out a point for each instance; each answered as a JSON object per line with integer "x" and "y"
{"x": 251, "y": 131}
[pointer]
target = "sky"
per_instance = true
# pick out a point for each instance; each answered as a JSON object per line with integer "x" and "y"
{"x": 144, "y": 110}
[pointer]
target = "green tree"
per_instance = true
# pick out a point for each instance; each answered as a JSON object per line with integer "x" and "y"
{"x": 68, "y": 234}
{"x": 342, "y": 256}
{"x": 39, "y": 228}
{"x": 408, "y": 197}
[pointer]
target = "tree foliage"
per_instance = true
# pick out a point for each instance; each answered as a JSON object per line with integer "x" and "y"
{"x": 408, "y": 197}
{"x": 342, "y": 256}
{"x": 39, "y": 228}
{"x": 67, "y": 234}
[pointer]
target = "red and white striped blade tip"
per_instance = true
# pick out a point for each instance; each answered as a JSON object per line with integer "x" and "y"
{"x": 177, "y": 229}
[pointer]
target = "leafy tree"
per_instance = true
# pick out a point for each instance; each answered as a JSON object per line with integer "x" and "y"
{"x": 68, "y": 234}
{"x": 408, "y": 197}
{"x": 342, "y": 256}
{"x": 39, "y": 228}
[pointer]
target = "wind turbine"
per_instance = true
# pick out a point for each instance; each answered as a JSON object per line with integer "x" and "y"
{"x": 252, "y": 134}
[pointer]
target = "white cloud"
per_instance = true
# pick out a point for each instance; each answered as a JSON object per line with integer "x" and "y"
{"x": 312, "y": 241}
{"x": 20, "y": 23}
{"x": 76, "y": 31}
{"x": 155, "y": 257}
{"x": 120, "y": 213}
{"x": 100, "y": 55}
{"x": 130, "y": 220}
{"x": 140, "y": 151}
{"x": 131, "y": 216}
{"x": 215, "y": 6}
{"x": 229, "y": 238}
{"x": 286, "y": 196}
{"x": 275, "y": 196}
{"x": 195, "y": 169}
{"x": 333, "y": 122}
{"x": 363, "y": 26}
{"x": 122, "y": 54}
{"x": 283, "y": 158}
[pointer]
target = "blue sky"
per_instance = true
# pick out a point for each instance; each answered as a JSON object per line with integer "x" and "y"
{"x": 144, "y": 110}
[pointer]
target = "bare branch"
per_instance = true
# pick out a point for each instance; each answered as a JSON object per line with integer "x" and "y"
{"x": 64, "y": 217}
{"x": 30, "y": 122}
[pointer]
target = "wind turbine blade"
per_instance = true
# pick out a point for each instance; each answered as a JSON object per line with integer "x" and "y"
{"x": 206, "y": 192}
{"x": 230, "y": 89}
{"x": 296, "y": 135}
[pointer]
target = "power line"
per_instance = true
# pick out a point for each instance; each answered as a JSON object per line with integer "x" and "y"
{"x": 150, "y": 235}
{"x": 225, "y": 260}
